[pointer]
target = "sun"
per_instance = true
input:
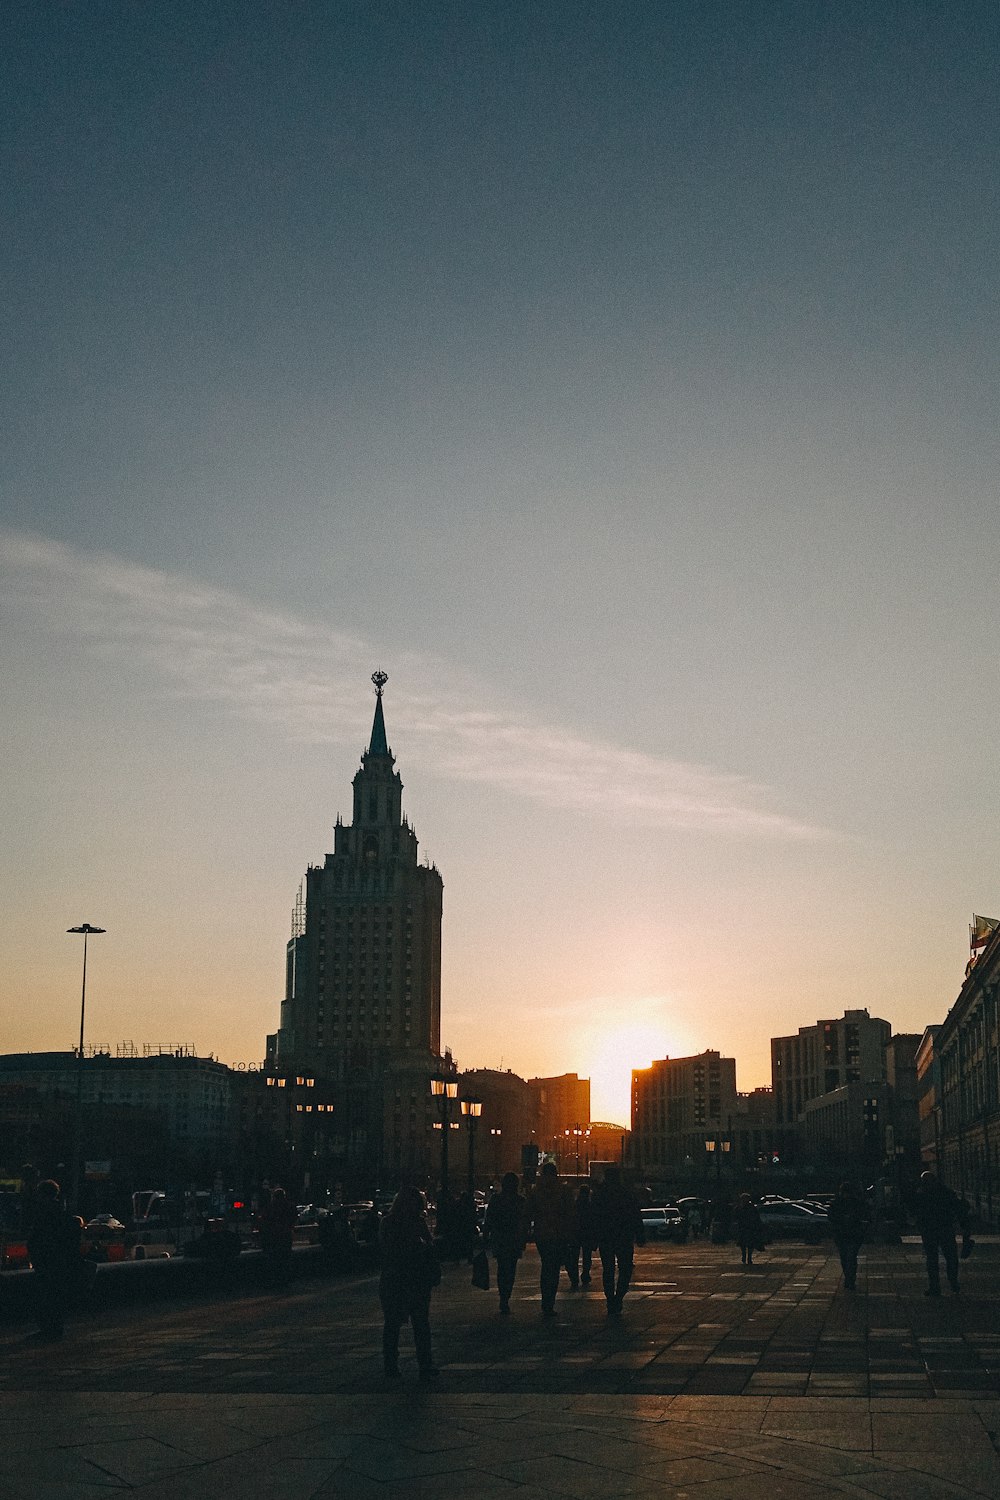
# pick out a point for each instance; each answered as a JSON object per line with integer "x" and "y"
{"x": 612, "y": 1053}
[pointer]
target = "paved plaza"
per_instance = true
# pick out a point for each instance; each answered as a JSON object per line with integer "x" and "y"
{"x": 716, "y": 1382}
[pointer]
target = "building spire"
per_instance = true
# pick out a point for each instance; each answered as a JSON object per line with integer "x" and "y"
{"x": 379, "y": 745}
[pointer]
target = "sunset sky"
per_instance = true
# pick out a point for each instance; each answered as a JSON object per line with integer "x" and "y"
{"x": 623, "y": 380}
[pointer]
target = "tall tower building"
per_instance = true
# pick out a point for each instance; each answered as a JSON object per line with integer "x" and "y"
{"x": 362, "y": 999}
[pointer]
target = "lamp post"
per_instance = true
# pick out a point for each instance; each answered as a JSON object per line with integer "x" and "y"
{"x": 87, "y": 931}
{"x": 472, "y": 1109}
{"x": 496, "y": 1131}
{"x": 717, "y": 1145}
{"x": 444, "y": 1089}
{"x": 579, "y": 1133}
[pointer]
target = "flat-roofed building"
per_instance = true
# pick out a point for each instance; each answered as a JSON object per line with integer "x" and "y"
{"x": 190, "y": 1094}
{"x": 824, "y": 1057}
{"x": 683, "y": 1110}
{"x": 560, "y": 1104}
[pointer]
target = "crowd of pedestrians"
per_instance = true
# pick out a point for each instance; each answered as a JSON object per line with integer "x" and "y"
{"x": 568, "y": 1228}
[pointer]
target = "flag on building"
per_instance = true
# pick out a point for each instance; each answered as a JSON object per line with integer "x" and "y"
{"x": 980, "y": 932}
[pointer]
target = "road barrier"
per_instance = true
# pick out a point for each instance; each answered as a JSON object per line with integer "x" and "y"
{"x": 117, "y": 1282}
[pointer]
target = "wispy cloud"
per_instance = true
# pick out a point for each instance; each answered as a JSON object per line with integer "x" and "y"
{"x": 307, "y": 679}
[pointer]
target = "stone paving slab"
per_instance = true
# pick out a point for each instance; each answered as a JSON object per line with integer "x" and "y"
{"x": 417, "y": 1443}
{"x": 787, "y": 1388}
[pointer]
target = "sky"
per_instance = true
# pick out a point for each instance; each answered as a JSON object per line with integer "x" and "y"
{"x": 623, "y": 380}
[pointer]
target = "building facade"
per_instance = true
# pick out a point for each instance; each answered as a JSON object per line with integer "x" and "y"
{"x": 825, "y": 1057}
{"x": 929, "y": 1098}
{"x": 848, "y": 1130}
{"x": 190, "y": 1095}
{"x": 967, "y": 1048}
{"x": 684, "y": 1110}
{"x": 505, "y": 1126}
{"x": 759, "y": 1143}
{"x": 560, "y": 1104}
{"x": 362, "y": 1006}
{"x": 901, "y": 1139}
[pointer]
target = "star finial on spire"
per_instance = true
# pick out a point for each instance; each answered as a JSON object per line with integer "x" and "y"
{"x": 379, "y": 745}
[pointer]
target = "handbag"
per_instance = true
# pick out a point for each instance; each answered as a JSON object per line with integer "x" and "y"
{"x": 481, "y": 1271}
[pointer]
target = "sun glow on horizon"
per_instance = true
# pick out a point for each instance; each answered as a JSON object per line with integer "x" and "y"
{"x": 613, "y": 1051}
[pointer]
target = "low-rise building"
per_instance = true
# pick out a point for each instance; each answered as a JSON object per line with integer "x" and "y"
{"x": 190, "y": 1094}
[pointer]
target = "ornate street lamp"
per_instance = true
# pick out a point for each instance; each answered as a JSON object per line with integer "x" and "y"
{"x": 472, "y": 1108}
{"x": 87, "y": 931}
{"x": 717, "y": 1145}
{"x": 444, "y": 1089}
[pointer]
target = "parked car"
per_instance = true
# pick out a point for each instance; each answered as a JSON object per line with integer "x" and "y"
{"x": 702, "y": 1206}
{"x": 664, "y": 1223}
{"x": 793, "y": 1221}
{"x": 357, "y": 1212}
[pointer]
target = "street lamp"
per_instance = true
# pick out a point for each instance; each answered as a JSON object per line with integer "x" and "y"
{"x": 472, "y": 1108}
{"x": 87, "y": 931}
{"x": 579, "y": 1132}
{"x": 444, "y": 1089}
{"x": 716, "y": 1145}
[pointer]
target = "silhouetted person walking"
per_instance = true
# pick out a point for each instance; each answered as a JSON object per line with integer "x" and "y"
{"x": 848, "y": 1219}
{"x": 748, "y": 1229}
{"x": 618, "y": 1227}
{"x": 938, "y": 1210}
{"x": 552, "y": 1216}
{"x": 54, "y": 1252}
{"x": 506, "y": 1228}
{"x": 585, "y": 1238}
{"x": 410, "y": 1271}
